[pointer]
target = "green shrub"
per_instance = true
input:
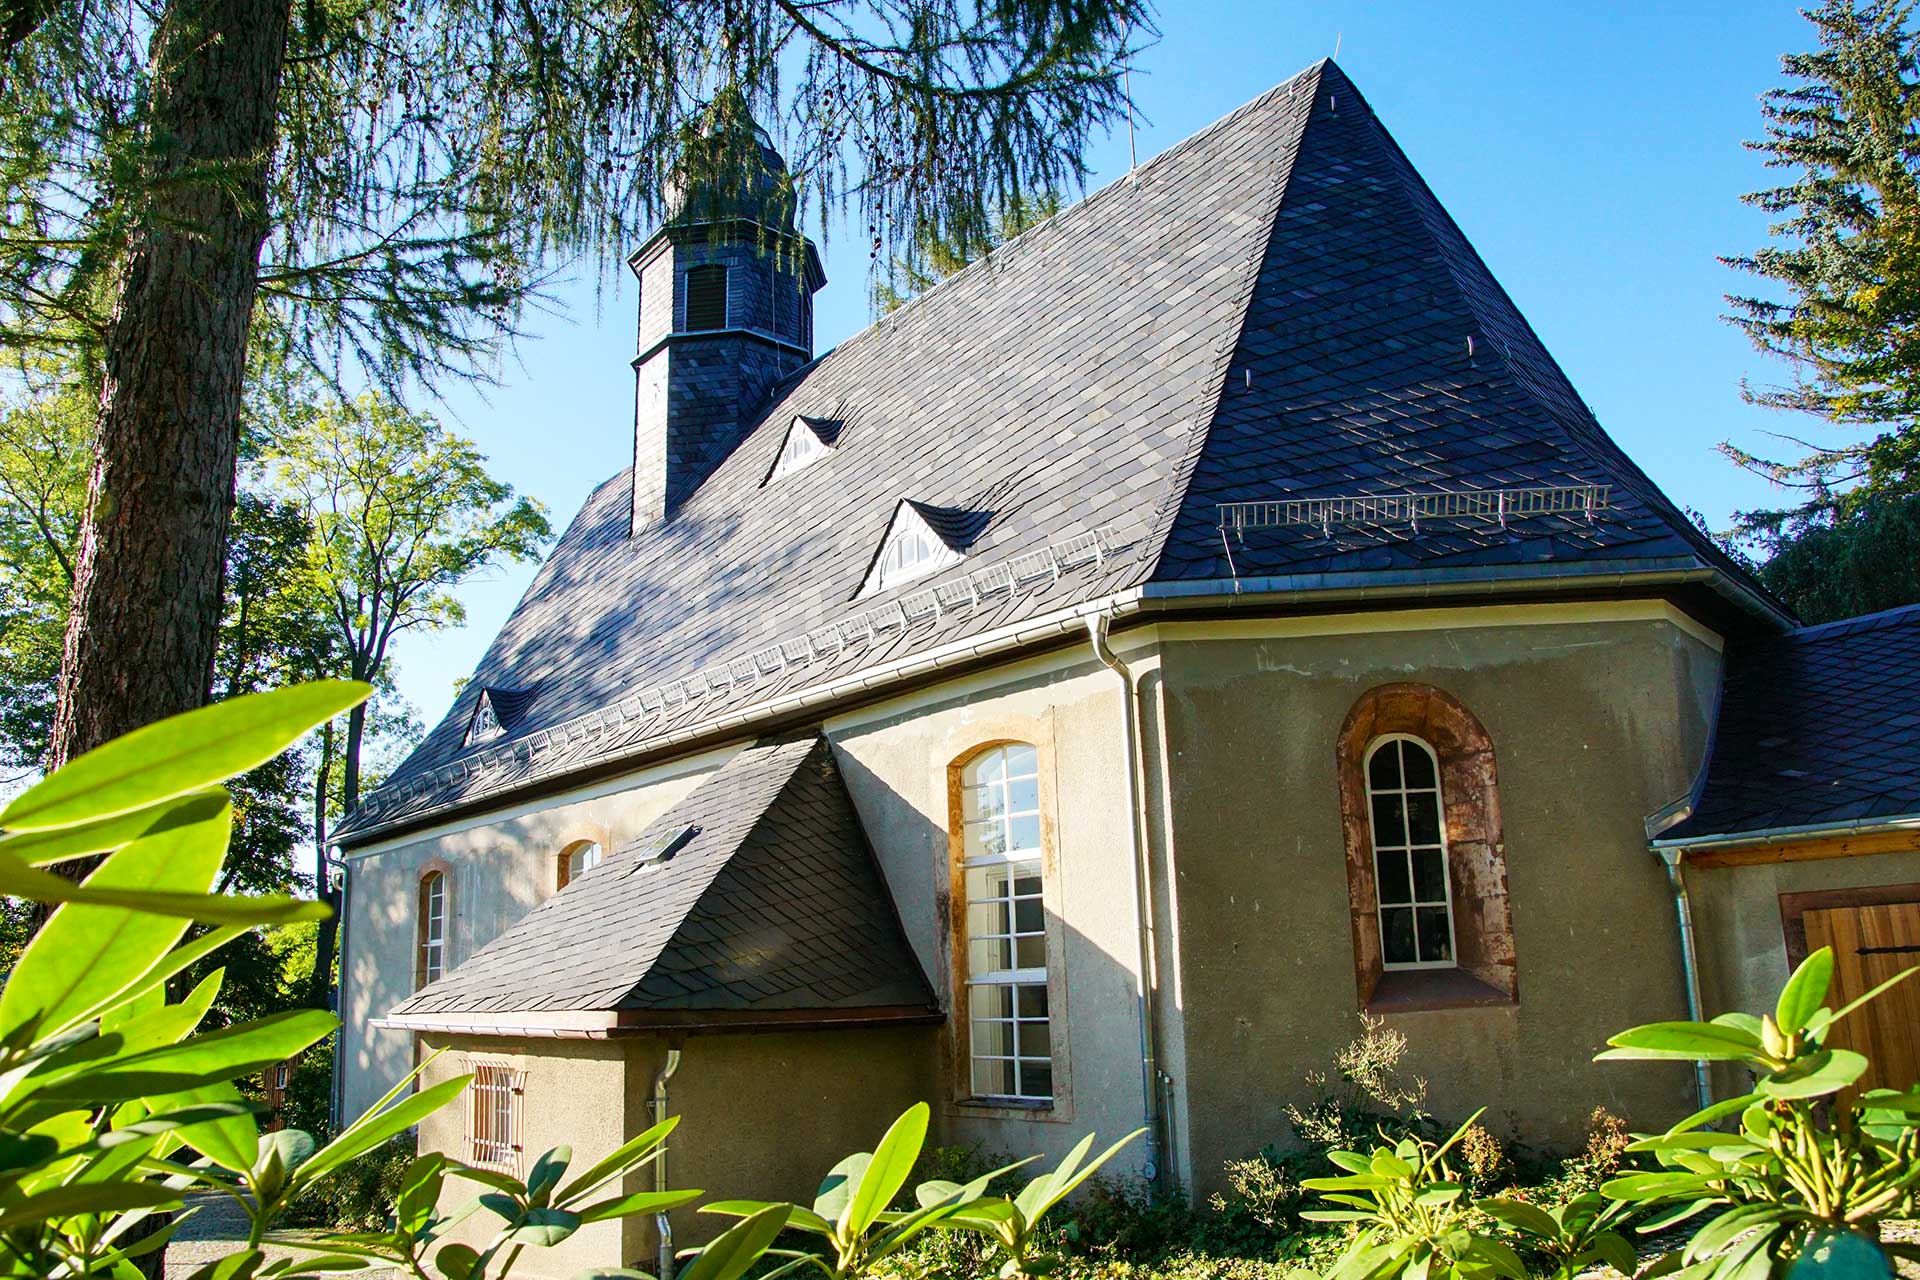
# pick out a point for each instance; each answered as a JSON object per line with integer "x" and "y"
{"x": 358, "y": 1198}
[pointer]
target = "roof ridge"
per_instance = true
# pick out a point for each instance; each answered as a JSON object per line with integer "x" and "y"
{"x": 1173, "y": 499}
{"x": 1130, "y": 178}
{"x": 1858, "y": 622}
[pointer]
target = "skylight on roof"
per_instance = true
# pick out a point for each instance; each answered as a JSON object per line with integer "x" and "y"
{"x": 912, "y": 549}
{"x": 808, "y": 440}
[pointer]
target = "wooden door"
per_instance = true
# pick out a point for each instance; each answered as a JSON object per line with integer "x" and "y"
{"x": 1871, "y": 944}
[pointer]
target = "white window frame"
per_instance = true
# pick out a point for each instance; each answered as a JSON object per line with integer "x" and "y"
{"x": 1406, "y": 850}
{"x": 486, "y": 724}
{"x": 433, "y": 926}
{"x": 801, "y": 449}
{"x": 582, "y": 857}
{"x": 911, "y": 550}
{"x": 1027, "y": 859}
{"x": 494, "y": 1115}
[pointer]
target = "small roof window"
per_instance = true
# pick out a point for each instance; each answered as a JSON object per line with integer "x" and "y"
{"x": 496, "y": 712}
{"x": 808, "y": 440}
{"x": 921, "y": 540}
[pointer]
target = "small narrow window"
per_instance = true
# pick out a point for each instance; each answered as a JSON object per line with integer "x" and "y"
{"x": 486, "y": 724}
{"x": 579, "y": 859}
{"x": 808, "y": 440}
{"x": 493, "y": 1117}
{"x": 1410, "y": 855}
{"x": 1009, "y": 1028}
{"x": 433, "y": 928}
{"x": 707, "y": 297}
{"x": 913, "y": 548}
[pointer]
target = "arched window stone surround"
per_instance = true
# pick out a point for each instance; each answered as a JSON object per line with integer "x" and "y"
{"x": 1476, "y": 848}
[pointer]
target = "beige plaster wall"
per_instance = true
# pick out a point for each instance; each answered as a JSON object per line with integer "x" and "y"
{"x": 895, "y": 758}
{"x": 1597, "y": 718}
{"x": 575, "y": 1094}
{"x": 1736, "y": 911}
{"x": 497, "y": 871}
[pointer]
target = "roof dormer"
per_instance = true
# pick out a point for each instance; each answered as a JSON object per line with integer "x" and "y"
{"x": 808, "y": 440}
{"x": 920, "y": 541}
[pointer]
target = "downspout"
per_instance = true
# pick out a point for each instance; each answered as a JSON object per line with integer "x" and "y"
{"x": 1673, "y": 858}
{"x": 1146, "y": 979}
{"x": 339, "y": 1091}
{"x": 662, "y": 1226}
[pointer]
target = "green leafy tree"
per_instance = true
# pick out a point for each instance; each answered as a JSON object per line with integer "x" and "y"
{"x": 1858, "y": 554}
{"x": 389, "y": 180}
{"x": 936, "y": 253}
{"x": 400, "y": 512}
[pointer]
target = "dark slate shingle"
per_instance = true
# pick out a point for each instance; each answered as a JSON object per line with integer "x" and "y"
{"x": 1821, "y": 725}
{"x": 776, "y": 903}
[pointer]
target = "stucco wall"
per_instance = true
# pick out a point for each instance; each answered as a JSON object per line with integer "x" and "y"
{"x": 762, "y": 1116}
{"x": 1595, "y": 721}
{"x": 1736, "y": 911}
{"x": 496, "y": 873}
{"x": 575, "y": 1094}
{"x": 895, "y": 758}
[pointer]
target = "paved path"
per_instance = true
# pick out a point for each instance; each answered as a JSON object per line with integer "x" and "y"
{"x": 217, "y": 1228}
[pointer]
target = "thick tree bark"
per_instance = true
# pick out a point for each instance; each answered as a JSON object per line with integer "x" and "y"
{"x": 146, "y": 604}
{"x": 320, "y": 981}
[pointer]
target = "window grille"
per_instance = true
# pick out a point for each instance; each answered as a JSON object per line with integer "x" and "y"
{"x": 911, "y": 550}
{"x": 802, "y": 447}
{"x": 493, "y": 1117}
{"x": 433, "y": 927}
{"x": 1408, "y": 822}
{"x": 707, "y": 297}
{"x": 1009, "y": 1036}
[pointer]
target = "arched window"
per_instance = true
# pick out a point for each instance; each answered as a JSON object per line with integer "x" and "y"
{"x": 706, "y": 297}
{"x": 432, "y": 927}
{"x": 578, "y": 858}
{"x": 1411, "y": 884}
{"x": 1004, "y": 997}
{"x": 1426, "y": 857}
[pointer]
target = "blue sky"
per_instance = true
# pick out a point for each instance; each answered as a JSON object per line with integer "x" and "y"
{"x": 1593, "y": 157}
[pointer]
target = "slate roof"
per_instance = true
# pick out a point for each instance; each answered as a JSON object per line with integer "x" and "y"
{"x": 775, "y": 903}
{"x": 1821, "y": 725}
{"x": 1275, "y": 307}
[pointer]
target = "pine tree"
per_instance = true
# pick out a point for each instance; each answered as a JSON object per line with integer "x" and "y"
{"x": 1846, "y": 251}
{"x": 933, "y": 256}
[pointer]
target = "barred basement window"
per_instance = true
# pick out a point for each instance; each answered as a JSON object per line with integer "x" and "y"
{"x": 493, "y": 1117}
{"x": 706, "y": 297}
{"x": 1008, "y": 1024}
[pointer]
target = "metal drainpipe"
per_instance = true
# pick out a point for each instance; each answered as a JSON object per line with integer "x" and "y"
{"x": 1150, "y": 1078}
{"x": 1689, "y": 958}
{"x": 661, "y": 1225}
{"x": 338, "y": 1100}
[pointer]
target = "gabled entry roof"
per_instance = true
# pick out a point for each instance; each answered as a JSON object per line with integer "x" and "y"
{"x": 1818, "y": 728}
{"x": 1276, "y": 309}
{"x": 755, "y": 900}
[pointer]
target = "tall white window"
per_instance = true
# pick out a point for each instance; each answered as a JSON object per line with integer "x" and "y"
{"x": 433, "y": 928}
{"x": 1009, "y": 1031}
{"x": 1410, "y": 854}
{"x": 493, "y": 1117}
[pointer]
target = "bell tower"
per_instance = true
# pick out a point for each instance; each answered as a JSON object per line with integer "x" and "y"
{"x": 726, "y": 309}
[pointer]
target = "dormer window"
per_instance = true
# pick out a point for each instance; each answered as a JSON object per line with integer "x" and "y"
{"x": 921, "y": 540}
{"x": 496, "y": 713}
{"x": 706, "y": 297}
{"x": 808, "y": 440}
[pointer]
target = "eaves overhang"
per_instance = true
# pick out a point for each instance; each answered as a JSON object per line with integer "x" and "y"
{"x": 1305, "y": 593}
{"x": 615, "y": 1024}
{"x": 1802, "y": 833}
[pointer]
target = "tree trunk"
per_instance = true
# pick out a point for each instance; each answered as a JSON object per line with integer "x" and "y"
{"x": 146, "y": 600}
{"x": 320, "y": 982}
{"x": 356, "y": 737}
